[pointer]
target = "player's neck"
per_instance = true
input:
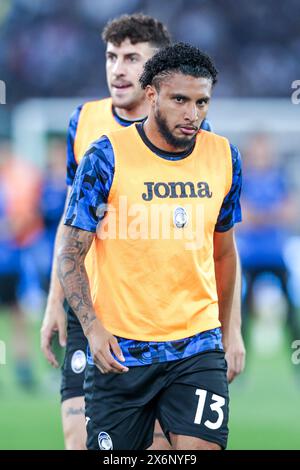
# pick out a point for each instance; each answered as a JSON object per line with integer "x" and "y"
{"x": 135, "y": 114}
{"x": 155, "y": 137}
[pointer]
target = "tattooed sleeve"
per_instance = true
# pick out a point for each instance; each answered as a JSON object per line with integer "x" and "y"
{"x": 72, "y": 274}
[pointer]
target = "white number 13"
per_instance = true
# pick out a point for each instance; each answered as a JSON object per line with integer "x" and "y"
{"x": 216, "y": 406}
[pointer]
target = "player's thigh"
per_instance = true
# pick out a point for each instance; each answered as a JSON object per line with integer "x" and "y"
{"x": 120, "y": 412}
{"x": 73, "y": 369}
{"x": 196, "y": 402}
{"x": 73, "y": 419}
{"x": 191, "y": 443}
{"x": 160, "y": 442}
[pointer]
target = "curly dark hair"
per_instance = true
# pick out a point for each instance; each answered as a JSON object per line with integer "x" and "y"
{"x": 181, "y": 58}
{"x": 137, "y": 28}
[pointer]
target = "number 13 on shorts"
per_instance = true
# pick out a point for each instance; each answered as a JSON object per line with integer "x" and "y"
{"x": 217, "y": 403}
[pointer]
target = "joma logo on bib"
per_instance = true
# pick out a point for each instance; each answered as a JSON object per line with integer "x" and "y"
{"x": 176, "y": 190}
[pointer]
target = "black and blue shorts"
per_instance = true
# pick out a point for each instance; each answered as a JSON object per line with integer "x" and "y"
{"x": 188, "y": 396}
{"x": 73, "y": 369}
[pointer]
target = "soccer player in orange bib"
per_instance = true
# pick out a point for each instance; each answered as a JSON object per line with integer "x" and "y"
{"x": 130, "y": 41}
{"x": 157, "y": 202}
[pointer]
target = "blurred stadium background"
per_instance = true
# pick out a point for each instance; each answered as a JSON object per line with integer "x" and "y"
{"x": 51, "y": 60}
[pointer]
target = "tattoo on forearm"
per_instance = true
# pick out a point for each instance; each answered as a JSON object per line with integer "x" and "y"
{"x": 72, "y": 274}
{"x": 75, "y": 411}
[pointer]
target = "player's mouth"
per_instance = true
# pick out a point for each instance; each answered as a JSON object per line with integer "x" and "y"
{"x": 121, "y": 87}
{"x": 188, "y": 130}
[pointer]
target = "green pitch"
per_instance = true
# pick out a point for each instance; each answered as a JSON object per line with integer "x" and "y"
{"x": 265, "y": 403}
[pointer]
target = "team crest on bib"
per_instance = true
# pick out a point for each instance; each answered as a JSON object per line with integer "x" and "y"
{"x": 105, "y": 441}
{"x": 180, "y": 217}
{"x": 78, "y": 361}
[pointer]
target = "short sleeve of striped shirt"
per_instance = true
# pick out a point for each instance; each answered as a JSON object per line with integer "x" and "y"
{"x": 71, "y": 134}
{"x": 231, "y": 212}
{"x": 91, "y": 187}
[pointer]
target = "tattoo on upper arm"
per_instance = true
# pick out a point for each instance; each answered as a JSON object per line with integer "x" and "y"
{"x": 72, "y": 274}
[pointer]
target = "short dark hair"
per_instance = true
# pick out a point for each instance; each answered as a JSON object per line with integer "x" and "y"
{"x": 137, "y": 28}
{"x": 178, "y": 58}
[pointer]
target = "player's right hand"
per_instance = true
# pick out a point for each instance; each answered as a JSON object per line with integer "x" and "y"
{"x": 102, "y": 342}
{"x": 54, "y": 321}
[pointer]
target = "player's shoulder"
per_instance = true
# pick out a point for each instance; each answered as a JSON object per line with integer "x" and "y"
{"x": 75, "y": 115}
{"x": 88, "y": 109}
{"x": 108, "y": 140}
{"x": 122, "y": 134}
{"x": 233, "y": 149}
{"x": 99, "y": 153}
{"x": 98, "y": 161}
{"x": 221, "y": 138}
{"x": 101, "y": 145}
{"x": 206, "y": 125}
{"x": 102, "y": 149}
{"x": 212, "y": 136}
{"x": 235, "y": 155}
{"x": 97, "y": 104}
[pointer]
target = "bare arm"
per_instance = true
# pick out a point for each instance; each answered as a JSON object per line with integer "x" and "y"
{"x": 236, "y": 320}
{"x": 56, "y": 293}
{"x": 235, "y": 354}
{"x": 55, "y": 317}
{"x": 74, "y": 246}
{"x": 72, "y": 274}
{"x": 225, "y": 270}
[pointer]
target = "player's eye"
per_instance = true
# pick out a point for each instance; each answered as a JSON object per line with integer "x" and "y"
{"x": 179, "y": 99}
{"x": 202, "y": 103}
{"x": 133, "y": 59}
{"x": 111, "y": 58}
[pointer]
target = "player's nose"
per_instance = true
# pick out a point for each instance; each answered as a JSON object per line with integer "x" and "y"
{"x": 119, "y": 69}
{"x": 191, "y": 113}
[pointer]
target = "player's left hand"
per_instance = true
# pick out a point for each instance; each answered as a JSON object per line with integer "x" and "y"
{"x": 235, "y": 355}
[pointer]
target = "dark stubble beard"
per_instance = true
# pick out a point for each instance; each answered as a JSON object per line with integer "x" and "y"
{"x": 182, "y": 144}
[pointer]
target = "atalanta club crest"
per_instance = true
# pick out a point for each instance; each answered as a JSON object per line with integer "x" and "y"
{"x": 180, "y": 217}
{"x": 105, "y": 441}
{"x": 78, "y": 362}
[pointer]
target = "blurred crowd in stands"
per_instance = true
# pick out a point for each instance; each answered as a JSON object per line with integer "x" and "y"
{"x": 47, "y": 47}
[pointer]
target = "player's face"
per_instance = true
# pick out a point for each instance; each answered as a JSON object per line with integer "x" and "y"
{"x": 179, "y": 107}
{"x": 124, "y": 66}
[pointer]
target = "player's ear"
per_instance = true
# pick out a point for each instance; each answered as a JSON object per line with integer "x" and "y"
{"x": 151, "y": 94}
